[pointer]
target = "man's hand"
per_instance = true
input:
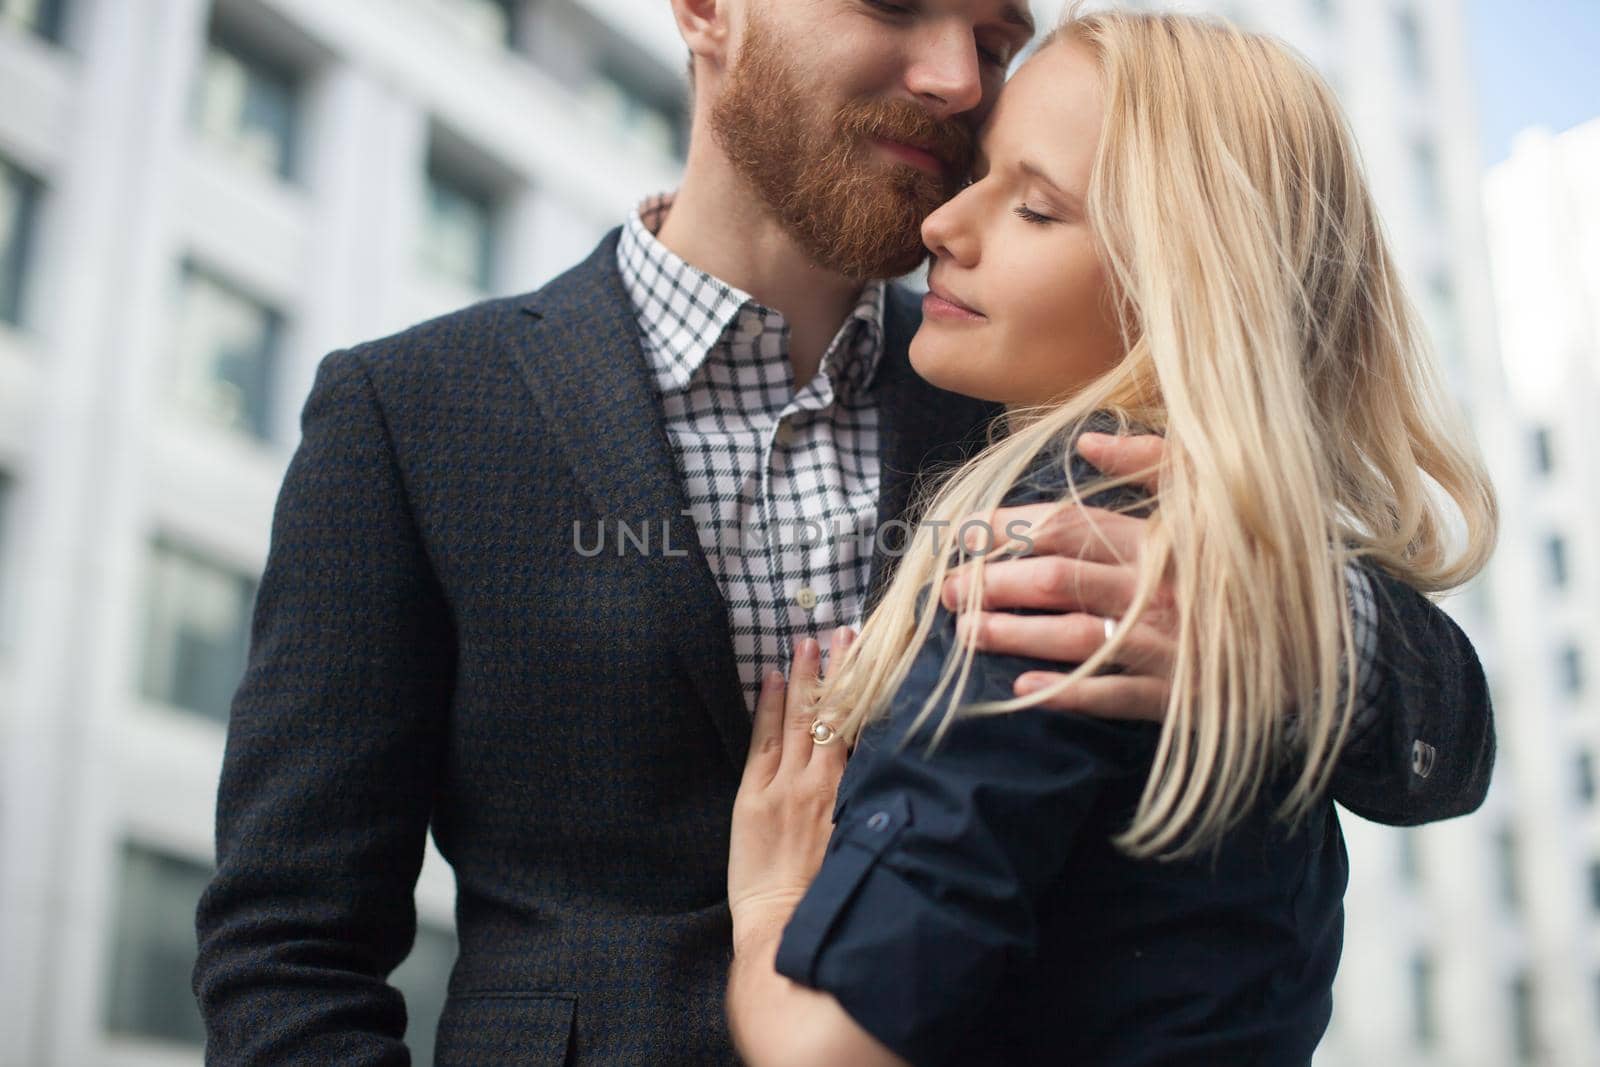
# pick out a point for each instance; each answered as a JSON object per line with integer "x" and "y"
{"x": 1083, "y": 564}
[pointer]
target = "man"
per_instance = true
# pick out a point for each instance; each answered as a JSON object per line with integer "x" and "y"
{"x": 449, "y": 630}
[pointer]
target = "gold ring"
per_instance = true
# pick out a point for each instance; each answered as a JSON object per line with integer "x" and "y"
{"x": 823, "y": 733}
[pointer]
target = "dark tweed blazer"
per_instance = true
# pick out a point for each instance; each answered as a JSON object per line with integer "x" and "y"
{"x": 428, "y": 649}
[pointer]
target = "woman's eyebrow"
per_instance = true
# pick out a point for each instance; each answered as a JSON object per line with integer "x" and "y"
{"x": 1034, "y": 170}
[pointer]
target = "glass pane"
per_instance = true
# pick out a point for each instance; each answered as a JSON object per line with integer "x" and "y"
{"x": 457, "y": 233}
{"x": 246, "y": 107}
{"x": 198, "y": 632}
{"x": 42, "y": 17}
{"x": 1424, "y": 1021}
{"x": 1556, "y": 553}
{"x": 423, "y": 979}
{"x": 226, "y": 355}
{"x": 1572, "y": 670}
{"x": 487, "y": 21}
{"x": 1408, "y": 35}
{"x": 19, "y": 200}
{"x": 1544, "y": 457}
{"x": 5, "y": 563}
{"x": 1524, "y": 1028}
{"x": 154, "y": 949}
{"x": 656, "y": 121}
{"x": 1506, "y": 850}
{"x": 1425, "y": 164}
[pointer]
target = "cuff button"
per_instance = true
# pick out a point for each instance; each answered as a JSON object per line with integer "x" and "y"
{"x": 1422, "y": 758}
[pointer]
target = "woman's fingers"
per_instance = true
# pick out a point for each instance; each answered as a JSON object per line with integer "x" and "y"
{"x": 830, "y": 758}
{"x": 766, "y": 731}
{"x": 798, "y": 707}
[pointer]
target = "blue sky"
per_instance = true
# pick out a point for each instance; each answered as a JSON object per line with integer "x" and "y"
{"x": 1537, "y": 64}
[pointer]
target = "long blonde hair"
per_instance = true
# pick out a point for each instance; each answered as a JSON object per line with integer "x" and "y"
{"x": 1269, "y": 340}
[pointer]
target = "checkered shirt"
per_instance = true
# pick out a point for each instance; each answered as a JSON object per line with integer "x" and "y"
{"x": 782, "y": 482}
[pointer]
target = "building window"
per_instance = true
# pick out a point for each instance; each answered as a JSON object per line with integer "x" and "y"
{"x": 153, "y": 952}
{"x": 423, "y": 979}
{"x": 19, "y": 205}
{"x": 489, "y": 22}
{"x": 1424, "y": 1018}
{"x": 1585, "y": 775}
{"x": 639, "y": 113}
{"x": 1544, "y": 455}
{"x": 458, "y": 230}
{"x": 40, "y": 17}
{"x": 1325, "y": 10}
{"x": 246, "y": 105}
{"x": 1410, "y": 862}
{"x": 1506, "y": 854}
{"x": 1524, "y": 1027}
{"x": 1555, "y": 551}
{"x": 1425, "y": 168}
{"x": 198, "y": 631}
{"x": 227, "y": 354}
{"x": 1594, "y": 884}
{"x": 1572, "y": 670}
{"x": 5, "y": 570}
{"x": 1408, "y": 36}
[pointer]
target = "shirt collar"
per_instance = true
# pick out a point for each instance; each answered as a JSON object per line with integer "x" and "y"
{"x": 684, "y": 313}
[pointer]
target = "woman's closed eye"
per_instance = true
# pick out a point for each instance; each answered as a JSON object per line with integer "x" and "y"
{"x": 1027, "y": 214}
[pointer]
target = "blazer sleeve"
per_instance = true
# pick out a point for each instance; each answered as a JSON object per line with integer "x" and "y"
{"x": 331, "y": 757}
{"x": 1422, "y": 745}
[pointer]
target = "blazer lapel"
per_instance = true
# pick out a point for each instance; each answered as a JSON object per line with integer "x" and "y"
{"x": 923, "y": 431}
{"x": 583, "y": 362}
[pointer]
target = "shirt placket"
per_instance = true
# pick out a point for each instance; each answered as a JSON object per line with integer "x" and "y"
{"x": 802, "y": 555}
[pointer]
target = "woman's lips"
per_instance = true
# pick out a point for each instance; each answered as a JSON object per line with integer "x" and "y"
{"x": 920, "y": 158}
{"x": 936, "y": 307}
{"x": 939, "y": 305}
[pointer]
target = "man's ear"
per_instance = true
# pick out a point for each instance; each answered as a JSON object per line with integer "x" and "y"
{"x": 706, "y": 27}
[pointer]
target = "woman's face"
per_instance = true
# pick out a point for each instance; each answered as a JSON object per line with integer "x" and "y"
{"x": 1019, "y": 309}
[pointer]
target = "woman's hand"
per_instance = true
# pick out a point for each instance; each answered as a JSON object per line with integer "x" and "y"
{"x": 783, "y": 815}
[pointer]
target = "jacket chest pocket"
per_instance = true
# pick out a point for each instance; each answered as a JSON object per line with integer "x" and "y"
{"x": 526, "y": 1029}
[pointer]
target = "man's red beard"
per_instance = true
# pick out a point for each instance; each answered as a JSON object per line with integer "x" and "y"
{"x": 852, "y": 211}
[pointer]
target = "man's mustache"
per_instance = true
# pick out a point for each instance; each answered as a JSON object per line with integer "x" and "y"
{"x": 950, "y": 141}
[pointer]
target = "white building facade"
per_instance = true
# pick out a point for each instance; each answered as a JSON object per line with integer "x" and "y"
{"x": 197, "y": 201}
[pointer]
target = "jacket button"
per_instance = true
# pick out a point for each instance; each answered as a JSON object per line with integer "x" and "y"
{"x": 1422, "y": 757}
{"x": 878, "y": 821}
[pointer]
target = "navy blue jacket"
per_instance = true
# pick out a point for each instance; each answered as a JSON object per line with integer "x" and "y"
{"x": 972, "y": 910}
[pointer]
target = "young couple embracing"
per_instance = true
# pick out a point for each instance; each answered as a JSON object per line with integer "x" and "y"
{"x": 1065, "y": 798}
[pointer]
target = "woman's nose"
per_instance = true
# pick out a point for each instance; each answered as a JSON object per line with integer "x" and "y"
{"x": 947, "y": 234}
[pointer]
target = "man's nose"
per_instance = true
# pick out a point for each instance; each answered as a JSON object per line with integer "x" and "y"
{"x": 945, "y": 75}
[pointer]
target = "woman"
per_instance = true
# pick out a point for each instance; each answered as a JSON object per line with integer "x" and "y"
{"x": 1167, "y": 228}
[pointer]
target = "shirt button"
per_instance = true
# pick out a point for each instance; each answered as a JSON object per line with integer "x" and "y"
{"x": 879, "y": 821}
{"x": 783, "y": 434}
{"x": 806, "y": 597}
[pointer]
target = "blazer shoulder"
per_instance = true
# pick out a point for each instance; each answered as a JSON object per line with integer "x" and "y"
{"x": 458, "y": 339}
